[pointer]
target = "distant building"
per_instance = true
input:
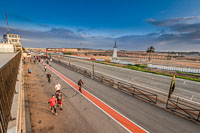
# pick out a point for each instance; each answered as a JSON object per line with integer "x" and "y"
{"x": 64, "y": 50}
{"x": 12, "y": 39}
{"x": 115, "y": 52}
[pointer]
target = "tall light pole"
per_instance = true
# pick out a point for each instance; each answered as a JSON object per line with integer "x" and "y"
{"x": 81, "y": 46}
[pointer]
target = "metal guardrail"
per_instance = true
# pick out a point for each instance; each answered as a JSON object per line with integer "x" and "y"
{"x": 183, "y": 109}
{"x": 113, "y": 82}
{"x": 8, "y": 77}
{"x": 104, "y": 79}
{"x": 145, "y": 95}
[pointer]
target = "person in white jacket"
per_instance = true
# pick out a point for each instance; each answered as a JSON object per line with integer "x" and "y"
{"x": 57, "y": 87}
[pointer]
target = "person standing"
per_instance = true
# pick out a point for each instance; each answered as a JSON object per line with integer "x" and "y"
{"x": 24, "y": 60}
{"x": 29, "y": 72}
{"x": 57, "y": 87}
{"x": 52, "y": 102}
{"x": 45, "y": 68}
{"x": 47, "y": 61}
{"x": 49, "y": 77}
{"x": 59, "y": 99}
{"x": 80, "y": 83}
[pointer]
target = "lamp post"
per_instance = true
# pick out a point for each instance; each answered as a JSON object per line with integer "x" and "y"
{"x": 81, "y": 46}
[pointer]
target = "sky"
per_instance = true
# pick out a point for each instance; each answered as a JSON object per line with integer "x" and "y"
{"x": 168, "y": 25}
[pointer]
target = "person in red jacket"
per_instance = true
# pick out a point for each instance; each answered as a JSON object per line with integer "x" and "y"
{"x": 52, "y": 102}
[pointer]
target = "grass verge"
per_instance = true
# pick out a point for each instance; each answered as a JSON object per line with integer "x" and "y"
{"x": 140, "y": 67}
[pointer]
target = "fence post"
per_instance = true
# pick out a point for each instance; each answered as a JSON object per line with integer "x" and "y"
{"x": 176, "y": 103}
{"x": 167, "y": 103}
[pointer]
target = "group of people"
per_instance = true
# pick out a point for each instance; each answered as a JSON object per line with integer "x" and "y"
{"x": 56, "y": 100}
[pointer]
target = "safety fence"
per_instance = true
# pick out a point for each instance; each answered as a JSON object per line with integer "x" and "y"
{"x": 8, "y": 77}
{"x": 184, "y": 107}
{"x": 113, "y": 82}
{"x": 138, "y": 92}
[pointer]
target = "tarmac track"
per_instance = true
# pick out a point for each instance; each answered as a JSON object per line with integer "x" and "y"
{"x": 184, "y": 88}
{"x": 150, "y": 117}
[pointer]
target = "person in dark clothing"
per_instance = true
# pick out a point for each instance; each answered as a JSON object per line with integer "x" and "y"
{"x": 59, "y": 99}
{"x": 49, "y": 77}
{"x": 80, "y": 83}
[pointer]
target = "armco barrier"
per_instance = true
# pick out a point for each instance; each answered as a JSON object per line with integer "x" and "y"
{"x": 8, "y": 77}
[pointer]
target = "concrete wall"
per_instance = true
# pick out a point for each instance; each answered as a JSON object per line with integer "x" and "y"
{"x": 8, "y": 48}
{"x": 14, "y": 125}
{"x": 8, "y": 78}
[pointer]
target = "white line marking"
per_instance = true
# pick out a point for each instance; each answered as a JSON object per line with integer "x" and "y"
{"x": 98, "y": 106}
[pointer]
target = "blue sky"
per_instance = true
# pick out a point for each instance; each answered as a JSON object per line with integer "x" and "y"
{"x": 168, "y": 25}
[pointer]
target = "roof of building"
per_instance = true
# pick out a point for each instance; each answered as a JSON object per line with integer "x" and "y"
{"x": 6, "y": 57}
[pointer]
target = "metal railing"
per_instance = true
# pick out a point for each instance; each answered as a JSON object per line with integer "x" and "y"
{"x": 184, "y": 109}
{"x": 104, "y": 79}
{"x": 112, "y": 82}
{"x": 8, "y": 77}
{"x": 138, "y": 92}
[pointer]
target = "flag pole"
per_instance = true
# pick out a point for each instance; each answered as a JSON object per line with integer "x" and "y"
{"x": 7, "y": 23}
{"x": 172, "y": 86}
{"x": 171, "y": 89}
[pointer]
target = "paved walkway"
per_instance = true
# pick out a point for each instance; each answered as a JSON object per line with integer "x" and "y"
{"x": 78, "y": 114}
